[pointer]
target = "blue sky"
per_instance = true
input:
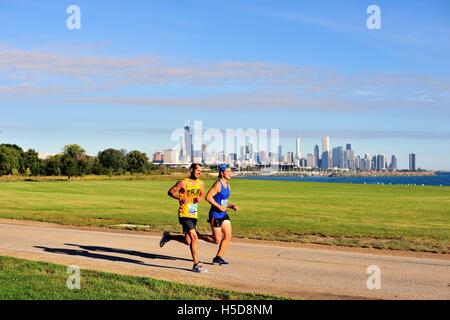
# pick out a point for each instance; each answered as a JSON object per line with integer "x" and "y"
{"x": 137, "y": 70}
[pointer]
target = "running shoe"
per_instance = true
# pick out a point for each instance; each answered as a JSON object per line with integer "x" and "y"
{"x": 199, "y": 268}
{"x": 165, "y": 238}
{"x": 219, "y": 261}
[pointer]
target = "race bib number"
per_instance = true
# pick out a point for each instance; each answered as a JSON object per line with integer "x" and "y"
{"x": 193, "y": 208}
{"x": 224, "y": 203}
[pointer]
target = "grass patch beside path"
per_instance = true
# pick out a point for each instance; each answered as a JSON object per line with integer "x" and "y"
{"x": 379, "y": 216}
{"x": 28, "y": 280}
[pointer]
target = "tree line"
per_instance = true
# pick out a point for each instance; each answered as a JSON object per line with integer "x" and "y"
{"x": 72, "y": 161}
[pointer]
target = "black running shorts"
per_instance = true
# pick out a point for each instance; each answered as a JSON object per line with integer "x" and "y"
{"x": 217, "y": 222}
{"x": 187, "y": 223}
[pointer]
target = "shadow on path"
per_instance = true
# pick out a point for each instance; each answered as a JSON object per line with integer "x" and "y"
{"x": 87, "y": 254}
{"x": 145, "y": 255}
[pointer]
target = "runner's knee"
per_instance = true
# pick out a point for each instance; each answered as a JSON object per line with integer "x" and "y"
{"x": 194, "y": 237}
{"x": 227, "y": 235}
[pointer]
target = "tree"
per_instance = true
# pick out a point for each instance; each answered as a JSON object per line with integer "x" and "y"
{"x": 86, "y": 165}
{"x": 136, "y": 162}
{"x": 113, "y": 160}
{"x": 32, "y": 163}
{"x": 52, "y": 166}
{"x": 69, "y": 166}
{"x": 11, "y": 160}
{"x": 98, "y": 168}
{"x": 74, "y": 150}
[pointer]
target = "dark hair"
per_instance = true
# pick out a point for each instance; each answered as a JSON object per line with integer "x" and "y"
{"x": 221, "y": 173}
{"x": 194, "y": 166}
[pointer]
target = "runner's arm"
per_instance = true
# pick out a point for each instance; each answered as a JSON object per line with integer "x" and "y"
{"x": 232, "y": 206}
{"x": 202, "y": 192}
{"x": 215, "y": 189}
{"x": 174, "y": 192}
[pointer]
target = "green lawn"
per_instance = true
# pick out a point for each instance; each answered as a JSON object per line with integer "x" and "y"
{"x": 22, "y": 279}
{"x": 380, "y": 216}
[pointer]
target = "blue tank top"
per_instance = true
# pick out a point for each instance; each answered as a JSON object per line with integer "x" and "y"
{"x": 222, "y": 199}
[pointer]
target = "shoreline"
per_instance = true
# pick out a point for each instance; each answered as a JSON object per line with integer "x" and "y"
{"x": 335, "y": 174}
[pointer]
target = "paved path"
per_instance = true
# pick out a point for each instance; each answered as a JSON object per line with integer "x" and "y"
{"x": 265, "y": 268}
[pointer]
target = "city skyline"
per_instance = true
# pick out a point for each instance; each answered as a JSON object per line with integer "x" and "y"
{"x": 248, "y": 154}
{"x": 126, "y": 79}
{"x": 187, "y": 154}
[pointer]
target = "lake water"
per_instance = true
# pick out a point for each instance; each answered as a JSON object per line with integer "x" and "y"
{"x": 441, "y": 179}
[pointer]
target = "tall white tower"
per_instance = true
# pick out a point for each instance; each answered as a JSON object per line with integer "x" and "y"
{"x": 298, "y": 149}
{"x": 188, "y": 154}
{"x": 326, "y": 144}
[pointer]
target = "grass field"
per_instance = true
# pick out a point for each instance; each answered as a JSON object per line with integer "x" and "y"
{"x": 379, "y": 216}
{"x": 22, "y": 279}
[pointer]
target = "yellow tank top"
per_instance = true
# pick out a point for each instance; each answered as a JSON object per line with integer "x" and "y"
{"x": 190, "y": 209}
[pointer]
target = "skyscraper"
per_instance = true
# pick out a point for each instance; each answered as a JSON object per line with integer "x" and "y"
{"x": 250, "y": 151}
{"x": 316, "y": 154}
{"x": 188, "y": 146}
{"x": 374, "y": 164}
{"x": 204, "y": 153}
{"x": 381, "y": 162}
{"x": 310, "y": 160}
{"x": 325, "y": 160}
{"x": 280, "y": 154}
{"x": 393, "y": 166}
{"x": 241, "y": 153}
{"x": 326, "y": 144}
{"x": 289, "y": 158}
{"x": 338, "y": 157}
{"x": 298, "y": 150}
{"x": 412, "y": 162}
{"x": 348, "y": 146}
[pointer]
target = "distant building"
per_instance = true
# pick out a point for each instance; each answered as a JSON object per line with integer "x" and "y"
{"x": 381, "y": 162}
{"x": 326, "y": 144}
{"x": 325, "y": 160}
{"x": 263, "y": 157}
{"x": 412, "y": 162}
{"x": 298, "y": 149}
{"x": 393, "y": 166}
{"x": 188, "y": 153}
{"x": 289, "y": 159}
{"x": 204, "y": 152}
{"x": 310, "y": 160}
{"x": 280, "y": 154}
{"x": 170, "y": 156}
{"x": 338, "y": 157}
{"x": 366, "y": 163}
{"x": 158, "y": 157}
{"x": 316, "y": 154}
{"x": 374, "y": 164}
{"x": 302, "y": 163}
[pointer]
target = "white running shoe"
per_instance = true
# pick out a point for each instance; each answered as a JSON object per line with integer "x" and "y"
{"x": 199, "y": 268}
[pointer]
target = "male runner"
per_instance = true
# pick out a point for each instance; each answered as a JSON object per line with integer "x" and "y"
{"x": 189, "y": 192}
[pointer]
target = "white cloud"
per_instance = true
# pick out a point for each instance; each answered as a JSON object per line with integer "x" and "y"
{"x": 229, "y": 84}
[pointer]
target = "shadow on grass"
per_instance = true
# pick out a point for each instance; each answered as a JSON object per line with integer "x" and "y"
{"x": 84, "y": 252}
